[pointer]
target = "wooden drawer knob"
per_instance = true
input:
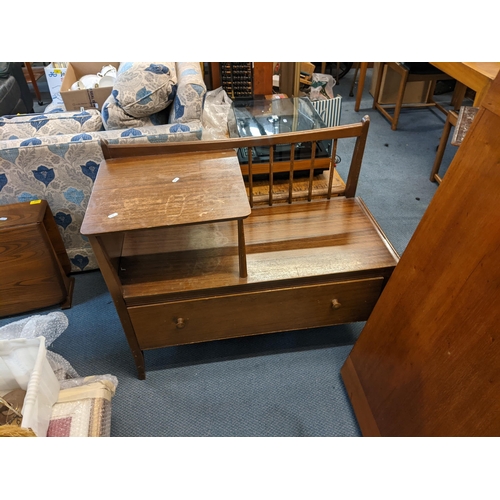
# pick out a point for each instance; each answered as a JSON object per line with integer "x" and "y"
{"x": 180, "y": 323}
{"x": 336, "y": 304}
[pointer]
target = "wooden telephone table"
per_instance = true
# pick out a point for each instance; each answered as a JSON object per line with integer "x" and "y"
{"x": 163, "y": 229}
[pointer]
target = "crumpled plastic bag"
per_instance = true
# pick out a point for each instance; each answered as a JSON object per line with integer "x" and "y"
{"x": 216, "y": 115}
{"x": 49, "y": 326}
{"x": 321, "y": 87}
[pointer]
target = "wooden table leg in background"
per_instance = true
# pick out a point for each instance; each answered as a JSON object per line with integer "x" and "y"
{"x": 32, "y": 76}
{"x": 362, "y": 75}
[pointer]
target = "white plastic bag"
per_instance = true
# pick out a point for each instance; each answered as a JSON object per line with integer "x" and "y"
{"x": 216, "y": 115}
{"x": 321, "y": 87}
{"x": 50, "y": 326}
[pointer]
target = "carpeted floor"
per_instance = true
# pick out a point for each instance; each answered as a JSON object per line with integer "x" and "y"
{"x": 286, "y": 384}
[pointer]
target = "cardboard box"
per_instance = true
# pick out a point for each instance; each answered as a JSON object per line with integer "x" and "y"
{"x": 415, "y": 92}
{"x": 89, "y": 98}
{"x": 54, "y": 78}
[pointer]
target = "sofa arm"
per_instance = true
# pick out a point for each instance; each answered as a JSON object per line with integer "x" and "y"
{"x": 191, "y": 90}
{"x": 48, "y": 124}
{"x": 61, "y": 170}
{"x": 173, "y": 132}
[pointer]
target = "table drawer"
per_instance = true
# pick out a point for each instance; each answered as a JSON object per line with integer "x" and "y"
{"x": 219, "y": 317}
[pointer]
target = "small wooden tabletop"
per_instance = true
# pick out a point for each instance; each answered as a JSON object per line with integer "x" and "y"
{"x": 475, "y": 75}
{"x": 166, "y": 190}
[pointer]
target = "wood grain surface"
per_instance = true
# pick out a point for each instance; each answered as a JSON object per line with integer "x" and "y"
{"x": 428, "y": 360}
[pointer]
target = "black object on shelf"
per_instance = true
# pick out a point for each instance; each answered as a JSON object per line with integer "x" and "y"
{"x": 237, "y": 79}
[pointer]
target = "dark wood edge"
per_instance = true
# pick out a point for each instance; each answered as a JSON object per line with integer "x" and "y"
{"x": 46, "y": 231}
{"x": 358, "y": 400}
{"x": 55, "y": 237}
{"x": 69, "y": 298}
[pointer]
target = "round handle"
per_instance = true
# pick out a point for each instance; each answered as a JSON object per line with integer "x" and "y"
{"x": 180, "y": 323}
{"x": 336, "y": 304}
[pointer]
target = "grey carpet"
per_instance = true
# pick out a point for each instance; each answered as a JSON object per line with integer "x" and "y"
{"x": 285, "y": 384}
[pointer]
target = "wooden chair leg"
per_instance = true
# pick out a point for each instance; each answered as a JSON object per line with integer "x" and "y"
{"x": 399, "y": 100}
{"x": 361, "y": 84}
{"x": 356, "y": 69}
{"x": 33, "y": 82}
{"x": 451, "y": 121}
{"x": 378, "y": 85}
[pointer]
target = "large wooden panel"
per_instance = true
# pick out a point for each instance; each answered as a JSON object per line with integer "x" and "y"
{"x": 428, "y": 360}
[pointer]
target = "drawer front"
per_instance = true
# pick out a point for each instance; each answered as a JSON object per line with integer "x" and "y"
{"x": 219, "y": 317}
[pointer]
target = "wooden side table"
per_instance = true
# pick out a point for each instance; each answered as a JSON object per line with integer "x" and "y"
{"x": 34, "y": 262}
{"x": 158, "y": 193}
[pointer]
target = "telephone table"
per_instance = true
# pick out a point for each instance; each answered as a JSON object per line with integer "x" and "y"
{"x": 135, "y": 197}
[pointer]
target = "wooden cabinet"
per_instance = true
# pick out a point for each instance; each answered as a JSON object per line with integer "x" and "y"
{"x": 33, "y": 260}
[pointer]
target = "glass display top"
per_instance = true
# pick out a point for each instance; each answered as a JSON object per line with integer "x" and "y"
{"x": 259, "y": 117}
{"x": 268, "y": 117}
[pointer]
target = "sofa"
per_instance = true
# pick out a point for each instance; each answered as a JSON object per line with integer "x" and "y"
{"x": 15, "y": 94}
{"x": 56, "y": 155}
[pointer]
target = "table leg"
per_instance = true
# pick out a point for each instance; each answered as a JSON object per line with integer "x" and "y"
{"x": 242, "y": 253}
{"x": 481, "y": 94}
{"x": 361, "y": 83}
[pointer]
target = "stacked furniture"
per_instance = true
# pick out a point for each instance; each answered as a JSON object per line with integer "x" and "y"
{"x": 55, "y": 155}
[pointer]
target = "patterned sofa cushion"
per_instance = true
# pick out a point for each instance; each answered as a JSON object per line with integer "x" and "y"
{"x": 24, "y": 126}
{"x": 115, "y": 118}
{"x": 142, "y": 89}
{"x": 191, "y": 90}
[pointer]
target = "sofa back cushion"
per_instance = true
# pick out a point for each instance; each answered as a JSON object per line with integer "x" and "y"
{"x": 144, "y": 88}
{"x": 34, "y": 125}
{"x": 115, "y": 118}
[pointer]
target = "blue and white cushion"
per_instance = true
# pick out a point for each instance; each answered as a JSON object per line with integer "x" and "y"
{"x": 144, "y": 88}
{"x": 42, "y": 124}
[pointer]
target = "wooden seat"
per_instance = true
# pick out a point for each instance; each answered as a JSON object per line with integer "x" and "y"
{"x": 314, "y": 258}
{"x": 409, "y": 72}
